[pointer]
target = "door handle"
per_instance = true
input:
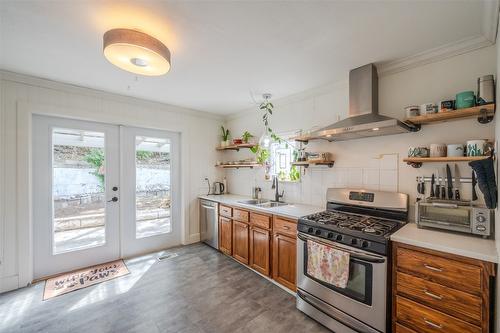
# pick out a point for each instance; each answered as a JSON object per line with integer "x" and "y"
{"x": 113, "y": 199}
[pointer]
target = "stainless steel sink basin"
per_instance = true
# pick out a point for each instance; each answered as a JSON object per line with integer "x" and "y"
{"x": 263, "y": 203}
{"x": 254, "y": 201}
{"x": 272, "y": 204}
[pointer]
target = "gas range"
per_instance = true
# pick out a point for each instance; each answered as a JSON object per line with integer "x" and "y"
{"x": 357, "y": 223}
{"x": 360, "y": 219}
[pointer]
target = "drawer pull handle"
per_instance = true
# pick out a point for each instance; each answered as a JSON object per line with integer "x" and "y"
{"x": 433, "y": 295}
{"x": 432, "y": 268}
{"x": 433, "y": 325}
{"x": 286, "y": 227}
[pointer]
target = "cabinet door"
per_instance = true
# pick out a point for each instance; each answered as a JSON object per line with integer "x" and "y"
{"x": 284, "y": 260}
{"x": 225, "y": 235}
{"x": 260, "y": 250}
{"x": 240, "y": 242}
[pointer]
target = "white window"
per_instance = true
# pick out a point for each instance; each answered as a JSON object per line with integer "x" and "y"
{"x": 282, "y": 154}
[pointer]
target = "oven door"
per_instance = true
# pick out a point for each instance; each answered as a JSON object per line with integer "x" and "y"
{"x": 364, "y": 298}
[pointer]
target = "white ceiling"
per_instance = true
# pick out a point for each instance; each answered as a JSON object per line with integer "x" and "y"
{"x": 223, "y": 51}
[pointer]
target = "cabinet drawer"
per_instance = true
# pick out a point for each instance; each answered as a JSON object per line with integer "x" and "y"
{"x": 240, "y": 215}
{"x": 426, "y": 320}
{"x": 225, "y": 211}
{"x": 447, "y": 300}
{"x": 286, "y": 227}
{"x": 259, "y": 220}
{"x": 445, "y": 271}
{"x": 402, "y": 329}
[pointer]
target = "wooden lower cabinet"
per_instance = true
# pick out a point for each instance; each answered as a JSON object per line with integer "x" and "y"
{"x": 225, "y": 235}
{"x": 440, "y": 292}
{"x": 260, "y": 250}
{"x": 284, "y": 260}
{"x": 241, "y": 242}
{"x": 264, "y": 242}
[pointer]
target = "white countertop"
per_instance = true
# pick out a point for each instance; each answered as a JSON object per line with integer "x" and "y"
{"x": 463, "y": 245}
{"x": 293, "y": 211}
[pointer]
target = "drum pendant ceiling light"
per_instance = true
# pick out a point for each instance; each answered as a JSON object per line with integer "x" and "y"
{"x": 136, "y": 52}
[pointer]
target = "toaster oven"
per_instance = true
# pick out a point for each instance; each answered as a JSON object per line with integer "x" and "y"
{"x": 455, "y": 216}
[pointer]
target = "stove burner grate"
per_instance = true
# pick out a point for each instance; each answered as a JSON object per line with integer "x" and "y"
{"x": 362, "y": 223}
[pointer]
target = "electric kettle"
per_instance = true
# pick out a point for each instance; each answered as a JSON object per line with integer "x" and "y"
{"x": 219, "y": 188}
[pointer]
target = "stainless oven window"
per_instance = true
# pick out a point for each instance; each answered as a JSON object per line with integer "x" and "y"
{"x": 360, "y": 283}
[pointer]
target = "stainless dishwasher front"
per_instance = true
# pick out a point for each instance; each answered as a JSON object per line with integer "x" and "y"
{"x": 209, "y": 226}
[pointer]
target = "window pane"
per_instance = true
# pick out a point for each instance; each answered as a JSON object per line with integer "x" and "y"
{"x": 152, "y": 197}
{"x": 78, "y": 189}
{"x": 281, "y": 159}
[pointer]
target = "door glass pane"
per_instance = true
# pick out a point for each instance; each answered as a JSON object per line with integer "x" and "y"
{"x": 78, "y": 189}
{"x": 152, "y": 197}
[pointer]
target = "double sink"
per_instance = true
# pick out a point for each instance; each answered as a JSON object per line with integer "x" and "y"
{"x": 264, "y": 203}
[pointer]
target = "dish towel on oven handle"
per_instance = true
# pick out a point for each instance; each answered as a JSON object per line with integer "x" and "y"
{"x": 327, "y": 264}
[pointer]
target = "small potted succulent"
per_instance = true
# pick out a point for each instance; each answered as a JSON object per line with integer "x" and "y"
{"x": 225, "y": 137}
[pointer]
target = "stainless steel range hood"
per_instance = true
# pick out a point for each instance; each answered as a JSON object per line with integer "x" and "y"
{"x": 364, "y": 120}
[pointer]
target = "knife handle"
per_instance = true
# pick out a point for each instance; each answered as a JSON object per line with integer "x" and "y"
{"x": 436, "y": 192}
{"x": 443, "y": 193}
{"x": 457, "y": 195}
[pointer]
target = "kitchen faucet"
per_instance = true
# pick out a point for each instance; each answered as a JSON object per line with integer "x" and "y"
{"x": 277, "y": 195}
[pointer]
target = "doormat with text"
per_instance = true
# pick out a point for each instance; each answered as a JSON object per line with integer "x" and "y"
{"x": 83, "y": 278}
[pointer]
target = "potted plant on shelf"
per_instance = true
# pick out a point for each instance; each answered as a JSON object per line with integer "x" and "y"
{"x": 247, "y": 136}
{"x": 225, "y": 137}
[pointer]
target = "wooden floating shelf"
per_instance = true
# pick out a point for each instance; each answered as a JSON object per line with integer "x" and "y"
{"x": 307, "y": 163}
{"x": 237, "y": 147}
{"x": 417, "y": 162}
{"x": 303, "y": 138}
{"x": 477, "y": 111}
{"x": 237, "y": 166}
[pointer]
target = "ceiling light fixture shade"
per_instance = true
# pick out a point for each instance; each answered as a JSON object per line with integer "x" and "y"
{"x": 136, "y": 52}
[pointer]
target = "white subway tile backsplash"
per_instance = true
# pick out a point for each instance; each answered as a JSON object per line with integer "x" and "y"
{"x": 388, "y": 177}
{"x": 389, "y": 188}
{"x": 378, "y": 174}
{"x": 389, "y": 162}
{"x": 371, "y": 177}
{"x": 355, "y": 177}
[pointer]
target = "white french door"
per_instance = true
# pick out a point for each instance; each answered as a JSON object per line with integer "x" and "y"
{"x": 150, "y": 191}
{"x": 101, "y": 192}
{"x": 75, "y": 175}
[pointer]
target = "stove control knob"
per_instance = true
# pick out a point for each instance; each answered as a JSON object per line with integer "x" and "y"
{"x": 310, "y": 230}
{"x": 330, "y": 235}
{"x": 339, "y": 237}
{"x": 354, "y": 241}
{"x": 365, "y": 244}
{"x": 318, "y": 232}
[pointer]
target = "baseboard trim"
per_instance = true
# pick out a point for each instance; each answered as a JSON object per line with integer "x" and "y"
{"x": 9, "y": 283}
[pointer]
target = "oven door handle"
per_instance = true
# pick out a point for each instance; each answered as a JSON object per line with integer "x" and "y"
{"x": 354, "y": 254}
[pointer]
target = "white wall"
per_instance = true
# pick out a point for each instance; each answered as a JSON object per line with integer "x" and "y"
{"x": 198, "y": 131}
{"x": 358, "y": 162}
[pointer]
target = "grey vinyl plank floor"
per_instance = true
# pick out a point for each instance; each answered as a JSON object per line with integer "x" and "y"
{"x": 199, "y": 291}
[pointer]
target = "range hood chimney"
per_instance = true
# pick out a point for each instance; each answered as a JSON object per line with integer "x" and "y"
{"x": 364, "y": 120}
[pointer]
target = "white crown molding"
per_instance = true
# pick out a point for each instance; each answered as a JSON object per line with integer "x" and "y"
{"x": 71, "y": 88}
{"x": 433, "y": 55}
{"x": 489, "y": 25}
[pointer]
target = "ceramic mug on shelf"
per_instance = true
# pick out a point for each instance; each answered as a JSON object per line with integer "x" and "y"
{"x": 418, "y": 152}
{"x": 475, "y": 147}
{"x": 438, "y": 150}
{"x": 412, "y": 111}
{"x": 447, "y": 105}
{"x": 455, "y": 150}
{"x": 428, "y": 108}
{"x": 465, "y": 99}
